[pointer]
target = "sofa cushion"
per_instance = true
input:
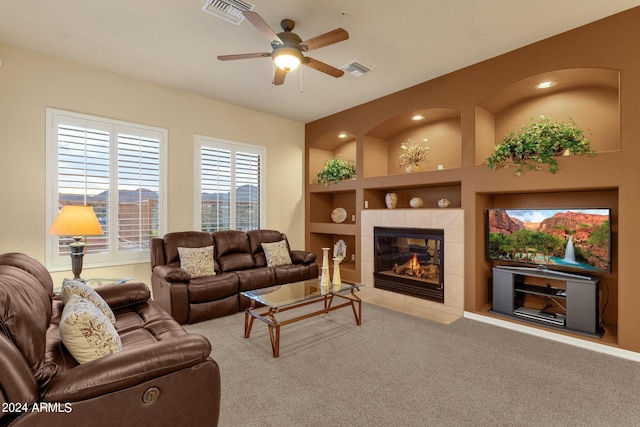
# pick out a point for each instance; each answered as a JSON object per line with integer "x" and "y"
{"x": 198, "y": 262}
{"x": 184, "y": 239}
{"x": 86, "y": 332}
{"x": 75, "y": 287}
{"x": 256, "y": 278}
{"x": 211, "y": 288}
{"x": 292, "y": 273}
{"x": 233, "y": 251}
{"x": 257, "y": 238}
{"x": 277, "y": 253}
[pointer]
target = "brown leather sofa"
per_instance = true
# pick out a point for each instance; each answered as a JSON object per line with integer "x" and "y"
{"x": 240, "y": 265}
{"x": 163, "y": 376}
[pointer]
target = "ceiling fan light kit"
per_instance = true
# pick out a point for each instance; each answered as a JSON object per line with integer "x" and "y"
{"x": 287, "y": 58}
{"x": 287, "y": 48}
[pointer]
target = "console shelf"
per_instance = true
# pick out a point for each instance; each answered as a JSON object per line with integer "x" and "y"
{"x": 573, "y": 299}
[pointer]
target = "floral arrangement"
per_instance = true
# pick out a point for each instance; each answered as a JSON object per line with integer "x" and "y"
{"x": 539, "y": 143}
{"x": 336, "y": 170}
{"x": 414, "y": 152}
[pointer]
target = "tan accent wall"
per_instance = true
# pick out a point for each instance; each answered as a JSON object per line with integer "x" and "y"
{"x": 611, "y": 179}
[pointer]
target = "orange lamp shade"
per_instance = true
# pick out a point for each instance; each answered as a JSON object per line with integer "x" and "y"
{"x": 76, "y": 221}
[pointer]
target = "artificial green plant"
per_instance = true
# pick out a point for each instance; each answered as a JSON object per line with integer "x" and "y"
{"x": 538, "y": 143}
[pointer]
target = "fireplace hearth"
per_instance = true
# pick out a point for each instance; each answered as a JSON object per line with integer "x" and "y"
{"x": 410, "y": 261}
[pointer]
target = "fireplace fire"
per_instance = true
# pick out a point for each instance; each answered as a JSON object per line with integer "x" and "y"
{"x": 410, "y": 261}
{"x": 413, "y": 268}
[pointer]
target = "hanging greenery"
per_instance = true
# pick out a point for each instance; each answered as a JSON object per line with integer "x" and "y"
{"x": 538, "y": 143}
{"x": 336, "y": 170}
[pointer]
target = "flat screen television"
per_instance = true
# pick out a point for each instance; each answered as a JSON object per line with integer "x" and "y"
{"x": 557, "y": 239}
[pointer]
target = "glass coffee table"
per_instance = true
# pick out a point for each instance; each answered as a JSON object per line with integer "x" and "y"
{"x": 281, "y": 298}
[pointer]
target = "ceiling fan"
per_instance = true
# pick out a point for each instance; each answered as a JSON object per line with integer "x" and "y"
{"x": 288, "y": 48}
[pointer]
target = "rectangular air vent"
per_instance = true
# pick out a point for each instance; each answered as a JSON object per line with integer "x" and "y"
{"x": 355, "y": 68}
{"x": 229, "y": 10}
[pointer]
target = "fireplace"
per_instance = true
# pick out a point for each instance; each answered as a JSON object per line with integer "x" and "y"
{"x": 409, "y": 261}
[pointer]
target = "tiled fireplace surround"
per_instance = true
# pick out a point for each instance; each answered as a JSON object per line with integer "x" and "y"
{"x": 452, "y": 222}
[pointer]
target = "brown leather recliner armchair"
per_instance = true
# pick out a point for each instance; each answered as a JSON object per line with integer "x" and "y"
{"x": 163, "y": 376}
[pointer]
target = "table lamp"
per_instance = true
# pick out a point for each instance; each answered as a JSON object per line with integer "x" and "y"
{"x": 76, "y": 221}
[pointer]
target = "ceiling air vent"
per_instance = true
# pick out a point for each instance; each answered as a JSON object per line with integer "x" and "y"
{"x": 229, "y": 10}
{"x": 355, "y": 68}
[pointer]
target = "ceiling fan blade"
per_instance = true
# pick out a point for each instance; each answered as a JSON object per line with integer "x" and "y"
{"x": 322, "y": 67}
{"x": 244, "y": 56}
{"x": 335, "y": 36}
{"x": 262, "y": 26}
{"x": 278, "y": 76}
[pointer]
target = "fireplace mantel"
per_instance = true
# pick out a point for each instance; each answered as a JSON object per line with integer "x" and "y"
{"x": 452, "y": 222}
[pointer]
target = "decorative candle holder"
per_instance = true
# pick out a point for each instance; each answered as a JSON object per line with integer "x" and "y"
{"x": 337, "y": 280}
{"x": 325, "y": 280}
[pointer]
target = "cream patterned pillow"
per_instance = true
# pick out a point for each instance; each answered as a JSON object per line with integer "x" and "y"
{"x": 86, "y": 331}
{"x": 276, "y": 253}
{"x": 74, "y": 287}
{"x": 198, "y": 262}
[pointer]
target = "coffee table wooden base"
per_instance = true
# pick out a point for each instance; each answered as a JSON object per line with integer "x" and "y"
{"x": 269, "y": 316}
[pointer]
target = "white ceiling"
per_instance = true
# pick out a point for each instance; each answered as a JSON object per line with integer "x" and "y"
{"x": 405, "y": 42}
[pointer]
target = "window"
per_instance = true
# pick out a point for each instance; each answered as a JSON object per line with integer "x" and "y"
{"x": 229, "y": 185}
{"x": 114, "y": 166}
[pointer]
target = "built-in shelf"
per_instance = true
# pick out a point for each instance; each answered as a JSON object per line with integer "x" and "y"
{"x": 440, "y": 127}
{"x": 588, "y": 96}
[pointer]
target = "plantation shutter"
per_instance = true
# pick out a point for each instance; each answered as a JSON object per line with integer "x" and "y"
{"x": 230, "y": 187}
{"x": 83, "y": 178}
{"x": 215, "y": 188}
{"x": 117, "y": 168}
{"x": 138, "y": 190}
{"x": 247, "y": 191}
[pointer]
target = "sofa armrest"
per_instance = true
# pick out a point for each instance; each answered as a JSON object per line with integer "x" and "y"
{"x": 127, "y": 368}
{"x": 171, "y": 273}
{"x": 124, "y": 294}
{"x": 302, "y": 257}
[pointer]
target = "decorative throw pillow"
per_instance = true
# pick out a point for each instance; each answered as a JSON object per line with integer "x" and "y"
{"x": 198, "y": 262}
{"x": 86, "y": 331}
{"x": 276, "y": 253}
{"x": 75, "y": 287}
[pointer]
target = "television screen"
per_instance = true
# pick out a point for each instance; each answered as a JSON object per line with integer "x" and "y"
{"x": 554, "y": 238}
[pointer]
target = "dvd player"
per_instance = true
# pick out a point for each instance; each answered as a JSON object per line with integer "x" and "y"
{"x": 540, "y": 316}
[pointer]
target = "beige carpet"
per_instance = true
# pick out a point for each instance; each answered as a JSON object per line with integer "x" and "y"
{"x": 400, "y": 370}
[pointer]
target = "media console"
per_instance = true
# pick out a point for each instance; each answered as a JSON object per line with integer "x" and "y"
{"x": 551, "y": 298}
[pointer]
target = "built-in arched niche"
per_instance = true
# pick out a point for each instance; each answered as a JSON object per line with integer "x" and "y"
{"x": 588, "y": 96}
{"x": 333, "y": 144}
{"x": 441, "y": 127}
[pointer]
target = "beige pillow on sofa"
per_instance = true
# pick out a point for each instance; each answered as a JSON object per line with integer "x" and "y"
{"x": 276, "y": 253}
{"x": 74, "y": 287}
{"x": 198, "y": 262}
{"x": 86, "y": 331}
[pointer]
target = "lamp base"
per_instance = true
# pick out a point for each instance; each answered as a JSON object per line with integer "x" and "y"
{"x": 77, "y": 255}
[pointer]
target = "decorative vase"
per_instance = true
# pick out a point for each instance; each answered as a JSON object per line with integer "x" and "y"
{"x": 444, "y": 203}
{"x": 416, "y": 202}
{"x": 391, "y": 200}
{"x": 325, "y": 280}
{"x": 337, "y": 280}
{"x": 416, "y": 167}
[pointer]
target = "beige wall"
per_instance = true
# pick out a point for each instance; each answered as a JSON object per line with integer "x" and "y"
{"x": 30, "y": 82}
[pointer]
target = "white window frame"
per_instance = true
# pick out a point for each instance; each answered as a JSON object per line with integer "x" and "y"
{"x": 112, "y": 257}
{"x": 204, "y": 141}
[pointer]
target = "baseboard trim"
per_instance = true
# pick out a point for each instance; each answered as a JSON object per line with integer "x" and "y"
{"x": 589, "y": 345}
